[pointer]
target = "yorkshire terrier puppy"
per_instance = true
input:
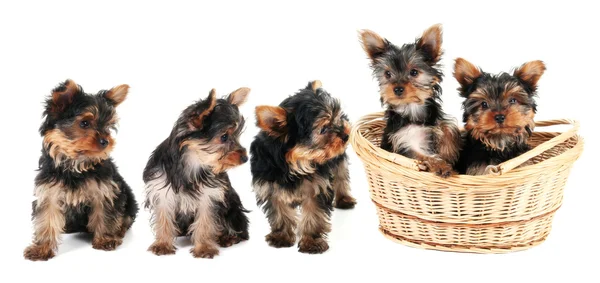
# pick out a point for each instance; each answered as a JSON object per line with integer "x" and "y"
{"x": 409, "y": 85}
{"x": 188, "y": 190}
{"x": 298, "y": 159}
{"x": 498, "y": 113}
{"x": 78, "y": 187}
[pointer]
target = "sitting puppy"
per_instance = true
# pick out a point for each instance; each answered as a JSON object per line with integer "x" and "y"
{"x": 298, "y": 159}
{"x": 498, "y": 113}
{"x": 188, "y": 190}
{"x": 78, "y": 187}
{"x": 409, "y": 85}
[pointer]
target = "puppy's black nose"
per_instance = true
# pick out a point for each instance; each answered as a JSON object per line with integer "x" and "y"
{"x": 344, "y": 137}
{"x": 103, "y": 142}
{"x": 398, "y": 90}
{"x": 500, "y": 118}
{"x": 244, "y": 158}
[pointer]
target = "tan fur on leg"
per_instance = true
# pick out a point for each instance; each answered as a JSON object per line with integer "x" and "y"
{"x": 341, "y": 187}
{"x": 205, "y": 228}
{"x": 163, "y": 203}
{"x": 281, "y": 213}
{"x": 126, "y": 222}
{"x": 314, "y": 224}
{"x": 448, "y": 137}
{"x": 165, "y": 232}
{"x": 314, "y": 220}
{"x": 105, "y": 229}
{"x": 283, "y": 220}
{"x": 48, "y": 224}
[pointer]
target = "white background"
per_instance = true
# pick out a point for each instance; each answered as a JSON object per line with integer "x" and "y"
{"x": 173, "y": 54}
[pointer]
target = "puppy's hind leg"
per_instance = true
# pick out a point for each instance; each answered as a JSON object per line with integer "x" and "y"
{"x": 280, "y": 208}
{"x": 105, "y": 223}
{"x": 234, "y": 220}
{"x": 130, "y": 209}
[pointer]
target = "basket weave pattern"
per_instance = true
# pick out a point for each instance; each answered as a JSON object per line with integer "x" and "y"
{"x": 511, "y": 209}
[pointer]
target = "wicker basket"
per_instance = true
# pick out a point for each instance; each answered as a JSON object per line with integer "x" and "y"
{"x": 508, "y": 211}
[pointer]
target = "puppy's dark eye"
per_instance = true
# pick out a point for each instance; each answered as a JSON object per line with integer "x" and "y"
{"x": 224, "y": 138}
{"x": 414, "y": 72}
{"x": 84, "y": 124}
{"x": 323, "y": 130}
{"x": 484, "y": 105}
{"x": 512, "y": 100}
{"x": 388, "y": 75}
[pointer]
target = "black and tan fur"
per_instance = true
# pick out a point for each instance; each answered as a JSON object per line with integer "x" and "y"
{"x": 498, "y": 113}
{"x": 409, "y": 85}
{"x": 298, "y": 160}
{"x": 188, "y": 190}
{"x": 78, "y": 187}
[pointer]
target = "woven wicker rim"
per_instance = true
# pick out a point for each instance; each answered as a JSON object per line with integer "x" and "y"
{"x": 389, "y": 161}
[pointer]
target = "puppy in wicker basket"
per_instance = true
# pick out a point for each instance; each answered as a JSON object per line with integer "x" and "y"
{"x": 188, "y": 190}
{"x": 298, "y": 159}
{"x": 498, "y": 113}
{"x": 409, "y": 84}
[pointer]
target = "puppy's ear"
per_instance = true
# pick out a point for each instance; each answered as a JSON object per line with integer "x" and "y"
{"x": 117, "y": 94}
{"x": 529, "y": 74}
{"x": 430, "y": 44}
{"x": 272, "y": 119}
{"x": 373, "y": 44}
{"x": 62, "y": 95}
{"x": 239, "y": 96}
{"x": 465, "y": 73}
{"x": 314, "y": 85}
{"x": 203, "y": 109}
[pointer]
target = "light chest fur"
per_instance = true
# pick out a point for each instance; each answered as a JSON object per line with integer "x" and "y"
{"x": 416, "y": 138}
{"x": 92, "y": 192}
{"x": 160, "y": 196}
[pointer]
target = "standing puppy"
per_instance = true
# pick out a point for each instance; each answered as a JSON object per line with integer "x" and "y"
{"x": 498, "y": 113}
{"x": 188, "y": 190}
{"x": 78, "y": 187}
{"x": 299, "y": 159}
{"x": 409, "y": 78}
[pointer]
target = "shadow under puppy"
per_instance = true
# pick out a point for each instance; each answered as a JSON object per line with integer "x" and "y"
{"x": 188, "y": 190}
{"x": 298, "y": 159}
{"x": 409, "y": 83}
{"x": 498, "y": 114}
{"x": 78, "y": 187}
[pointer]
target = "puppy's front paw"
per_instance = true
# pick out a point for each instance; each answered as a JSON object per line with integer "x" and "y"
{"x": 438, "y": 166}
{"x": 312, "y": 245}
{"x": 444, "y": 170}
{"x": 204, "y": 251}
{"x": 106, "y": 244}
{"x": 162, "y": 249}
{"x": 38, "y": 252}
{"x": 229, "y": 240}
{"x": 280, "y": 239}
{"x": 345, "y": 202}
